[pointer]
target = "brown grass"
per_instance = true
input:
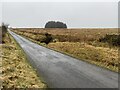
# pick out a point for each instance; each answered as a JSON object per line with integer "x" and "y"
{"x": 0, "y": 35}
{"x": 101, "y": 56}
{"x": 80, "y": 43}
{"x": 75, "y": 34}
{"x": 16, "y": 71}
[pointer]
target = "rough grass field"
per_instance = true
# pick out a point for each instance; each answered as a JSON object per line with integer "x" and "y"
{"x": 0, "y": 35}
{"x": 16, "y": 71}
{"x": 0, "y": 57}
{"x": 80, "y": 43}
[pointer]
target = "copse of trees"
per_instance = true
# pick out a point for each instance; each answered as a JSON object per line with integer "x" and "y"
{"x": 53, "y": 24}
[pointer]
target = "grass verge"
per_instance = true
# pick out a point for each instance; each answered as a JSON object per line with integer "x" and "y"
{"x": 16, "y": 71}
{"x": 101, "y": 56}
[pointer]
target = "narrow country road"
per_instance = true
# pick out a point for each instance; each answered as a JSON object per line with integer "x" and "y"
{"x": 62, "y": 71}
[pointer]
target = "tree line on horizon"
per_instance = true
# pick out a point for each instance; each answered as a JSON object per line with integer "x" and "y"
{"x": 53, "y": 24}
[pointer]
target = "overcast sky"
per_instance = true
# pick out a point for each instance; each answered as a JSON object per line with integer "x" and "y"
{"x": 74, "y": 14}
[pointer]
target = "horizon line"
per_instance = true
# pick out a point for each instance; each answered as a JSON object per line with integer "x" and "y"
{"x": 70, "y": 27}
